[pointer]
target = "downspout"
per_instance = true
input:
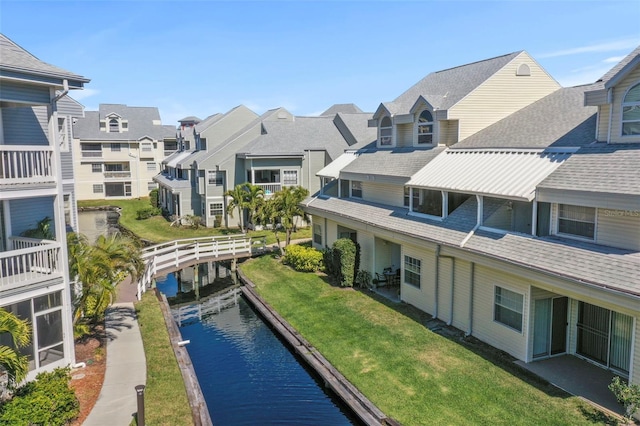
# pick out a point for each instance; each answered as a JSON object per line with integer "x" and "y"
{"x": 65, "y": 90}
{"x": 610, "y": 101}
{"x": 453, "y": 274}
{"x": 437, "y": 272}
{"x": 471, "y": 286}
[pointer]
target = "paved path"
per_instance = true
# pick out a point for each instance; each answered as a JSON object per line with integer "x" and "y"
{"x": 126, "y": 368}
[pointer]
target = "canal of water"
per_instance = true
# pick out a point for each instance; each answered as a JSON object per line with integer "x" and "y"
{"x": 247, "y": 374}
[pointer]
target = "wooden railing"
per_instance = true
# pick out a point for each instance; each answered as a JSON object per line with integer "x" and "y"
{"x": 175, "y": 253}
{"x": 29, "y": 260}
{"x": 26, "y": 164}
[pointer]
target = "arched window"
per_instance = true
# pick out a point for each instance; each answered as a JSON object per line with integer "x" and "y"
{"x": 114, "y": 126}
{"x": 631, "y": 112}
{"x": 425, "y": 128}
{"x": 385, "y": 131}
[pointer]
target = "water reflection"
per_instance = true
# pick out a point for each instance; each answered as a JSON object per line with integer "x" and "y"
{"x": 93, "y": 223}
{"x": 247, "y": 375}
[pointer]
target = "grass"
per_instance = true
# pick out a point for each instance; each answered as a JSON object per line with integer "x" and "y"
{"x": 411, "y": 373}
{"x": 166, "y": 400}
{"x": 157, "y": 229}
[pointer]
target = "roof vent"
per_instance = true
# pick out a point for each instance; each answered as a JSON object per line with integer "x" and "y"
{"x": 523, "y": 69}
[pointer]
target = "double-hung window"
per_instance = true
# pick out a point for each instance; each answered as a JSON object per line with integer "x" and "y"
{"x": 215, "y": 209}
{"x": 356, "y": 189}
{"x": 578, "y": 221}
{"x": 508, "y": 308}
{"x": 317, "y": 233}
{"x": 412, "y": 271}
{"x": 214, "y": 178}
{"x": 386, "y": 130}
{"x": 290, "y": 177}
{"x": 631, "y": 112}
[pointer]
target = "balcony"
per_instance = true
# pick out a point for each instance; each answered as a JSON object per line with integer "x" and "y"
{"x": 270, "y": 188}
{"x": 117, "y": 175}
{"x": 29, "y": 261}
{"x": 91, "y": 154}
{"x": 26, "y": 165}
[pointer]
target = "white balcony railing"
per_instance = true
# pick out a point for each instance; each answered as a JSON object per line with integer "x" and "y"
{"x": 92, "y": 154}
{"x": 270, "y": 188}
{"x": 26, "y": 164}
{"x": 31, "y": 260}
{"x": 117, "y": 175}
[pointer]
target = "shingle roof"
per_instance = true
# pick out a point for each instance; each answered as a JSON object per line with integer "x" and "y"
{"x": 582, "y": 262}
{"x": 557, "y": 120}
{"x": 15, "y": 58}
{"x": 398, "y": 162}
{"x": 140, "y": 124}
{"x": 605, "y": 168}
{"x": 342, "y": 108}
{"x": 443, "y": 89}
{"x": 357, "y": 125}
{"x": 294, "y": 137}
{"x": 613, "y": 72}
{"x": 208, "y": 122}
{"x": 172, "y": 183}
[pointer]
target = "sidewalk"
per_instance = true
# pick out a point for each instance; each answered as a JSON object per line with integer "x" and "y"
{"x": 126, "y": 368}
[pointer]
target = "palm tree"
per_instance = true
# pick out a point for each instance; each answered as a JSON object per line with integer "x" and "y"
{"x": 238, "y": 201}
{"x": 289, "y": 208}
{"x": 15, "y": 365}
{"x": 253, "y": 198}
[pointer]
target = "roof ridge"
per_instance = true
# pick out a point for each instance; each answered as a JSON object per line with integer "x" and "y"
{"x": 478, "y": 62}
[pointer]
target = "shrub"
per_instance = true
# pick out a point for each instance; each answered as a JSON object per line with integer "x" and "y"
{"x": 327, "y": 257}
{"x": 192, "y": 221}
{"x": 626, "y": 394}
{"x": 147, "y": 212}
{"x": 153, "y": 198}
{"x": 363, "y": 279}
{"x": 345, "y": 261}
{"x": 304, "y": 259}
{"x": 49, "y": 400}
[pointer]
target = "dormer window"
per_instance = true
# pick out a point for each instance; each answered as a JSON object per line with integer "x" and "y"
{"x": 631, "y": 112}
{"x": 114, "y": 126}
{"x": 425, "y": 128}
{"x": 386, "y": 132}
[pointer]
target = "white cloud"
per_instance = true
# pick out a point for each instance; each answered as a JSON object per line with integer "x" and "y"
{"x": 613, "y": 59}
{"x": 585, "y": 75}
{"x": 612, "y": 46}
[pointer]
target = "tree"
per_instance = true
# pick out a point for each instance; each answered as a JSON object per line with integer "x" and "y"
{"x": 282, "y": 211}
{"x": 253, "y": 199}
{"x": 42, "y": 231}
{"x": 11, "y": 361}
{"x": 99, "y": 268}
{"x": 238, "y": 201}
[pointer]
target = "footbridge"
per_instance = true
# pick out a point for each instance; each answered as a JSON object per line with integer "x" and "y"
{"x": 169, "y": 257}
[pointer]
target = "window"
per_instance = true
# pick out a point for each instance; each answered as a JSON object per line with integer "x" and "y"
{"x": 97, "y": 188}
{"x": 427, "y": 201}
{"x": 216, "y": 209}
{"x": 146, "y": 147}
{"x": 347, "y": 233}
{"x": 151, "y": 167}
{"x": 290, "y": 177}
{"x": 114, "y": 126}
{"x": 91, "y": 149}
{"x": 63, "y": 137}
{"x": 578, "y": 221}
{"x": 425, "y": 128}
{"x": 215, "y": 178}
{"x": 118, "y": 189}
{"x": 407, "y": 196}
{"x": 113, "y": 167}
{"x": 115, "y": 147}
{"x": 356, "y": 189}
{"x": 66, "y": 199}
{"x": 631, "y": 112}
{"x": 151, "y": 186}
{"x": 412, "y": 267}
{"x": 508, "y": 308}
{"x": 386, "y": 130}
{"x": 96, "y": 168}
{"x": 317, "y": 233}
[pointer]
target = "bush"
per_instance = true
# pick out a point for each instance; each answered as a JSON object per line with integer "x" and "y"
{"x": 345, "y": 261}
{"x": 153, "y": 198}
{"x": 148, "y": 212}
{"x": 304, "y": 259}
{"x": 627, "y": 395}
{"x": 46, "y": 401}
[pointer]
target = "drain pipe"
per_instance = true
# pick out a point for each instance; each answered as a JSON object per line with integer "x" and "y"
{"x": 471, "y": 285}
{"x": 453, "y": 275}
{"x": 65, "y": 90}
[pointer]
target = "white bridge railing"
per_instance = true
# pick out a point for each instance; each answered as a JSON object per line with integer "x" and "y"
{"x": 26, "y": 164}
{"x": 29, "y": 259}
{"x": 174, "y": 253}
{"x": 214, "y": 304}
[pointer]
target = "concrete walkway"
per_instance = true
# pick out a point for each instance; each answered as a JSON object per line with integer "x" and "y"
{"x": 126, "y": 368}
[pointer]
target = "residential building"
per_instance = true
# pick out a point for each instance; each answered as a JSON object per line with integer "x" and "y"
{"x": 118, "y": 151}
{"x": 35, "y": 118}
{"x": 515, "y": 220}
{"x": 273, "y": 150}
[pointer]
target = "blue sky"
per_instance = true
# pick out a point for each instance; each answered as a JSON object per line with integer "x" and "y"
{"x": 199, "y": 58}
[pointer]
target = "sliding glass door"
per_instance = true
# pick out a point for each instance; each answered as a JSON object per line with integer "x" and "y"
{"x": 604, "y": 336}
{"x": 550, "y": 327}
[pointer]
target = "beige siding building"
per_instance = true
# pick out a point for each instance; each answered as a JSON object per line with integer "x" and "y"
{"x": 118, "y": 150}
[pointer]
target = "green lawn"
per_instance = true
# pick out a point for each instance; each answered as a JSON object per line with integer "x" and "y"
{"x": 166, "y": 400}
{"x": 412, "y": 374}
{"x": 158, "y": 229}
